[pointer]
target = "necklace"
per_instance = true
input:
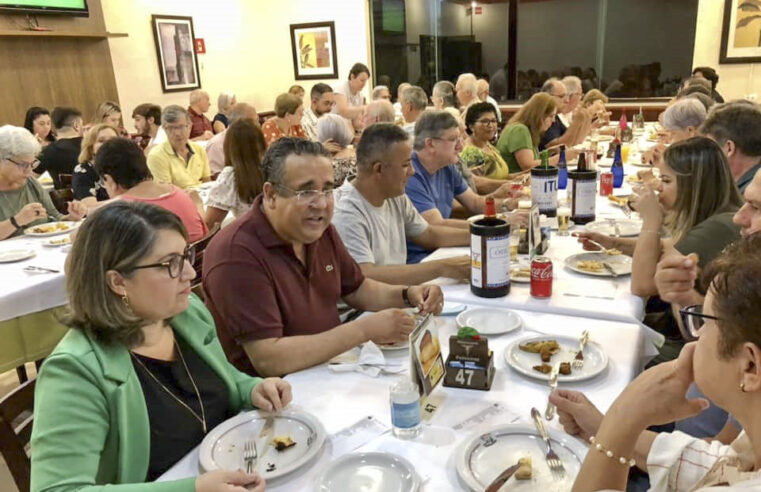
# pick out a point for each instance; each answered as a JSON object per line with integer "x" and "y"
{"x": 202, "y": 418}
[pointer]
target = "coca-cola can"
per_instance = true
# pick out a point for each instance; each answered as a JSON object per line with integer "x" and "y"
{"x": 606, "y": 184}
{"x": 541, "y": 277}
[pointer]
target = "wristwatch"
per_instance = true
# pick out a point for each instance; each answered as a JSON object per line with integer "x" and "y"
{"x": 14, "y": 223}
{"x": 406, "y": 297}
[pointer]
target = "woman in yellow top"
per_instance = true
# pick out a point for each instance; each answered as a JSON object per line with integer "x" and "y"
{"x": 479, "y": 154}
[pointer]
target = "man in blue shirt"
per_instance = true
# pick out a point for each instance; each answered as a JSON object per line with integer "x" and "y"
{"x": 437, "y": 181}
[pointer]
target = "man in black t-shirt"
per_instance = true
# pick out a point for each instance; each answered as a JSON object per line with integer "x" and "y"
{"x": 60, "y": 157}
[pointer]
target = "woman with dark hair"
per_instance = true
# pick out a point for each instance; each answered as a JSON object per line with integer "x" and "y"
{"x": 140, "y": 378}
{"x": 479, "y": 154}
{"x": 124, "y": 173}
{"x": 39, "y": 124}
{"x": 241, "y": 179}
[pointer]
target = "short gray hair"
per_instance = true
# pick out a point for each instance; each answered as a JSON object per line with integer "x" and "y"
{"x": 197, "y": 95}
{"x": 16, "y": 141}
{"x": 572, "y": 84}
{"x": 377, "y": 91}
{"x": 241, "y": 111}
{"x": 381, "y": 110}
{"x": 467, "y": 81}
{"x": 432, "y": 124}
{"x": 416, "y": 96}
{"x": 333, "y": 126}
{"x": 273, "y": 164}
{"x": 445, "y": 90}
{"x": 173, "y": 113}
{"x": 376, "y": 142}
{"x": 224, "y": 101}
{"x": 683, "y": 114}
{"x": 550, "y": 84}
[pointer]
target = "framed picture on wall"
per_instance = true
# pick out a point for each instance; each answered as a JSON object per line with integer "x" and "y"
{"x": 314, "y": 51}
{"x": 741, "y": 32}
{"x": 175, "y": 49}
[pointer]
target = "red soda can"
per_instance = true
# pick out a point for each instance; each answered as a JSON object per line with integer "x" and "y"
{"x": 606, "y": 184}
{"x": 541, "y": 277}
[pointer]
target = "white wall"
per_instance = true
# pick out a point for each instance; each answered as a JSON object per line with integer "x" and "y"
{"x": 735, "y": 80}
{"x": 248, "y": 47}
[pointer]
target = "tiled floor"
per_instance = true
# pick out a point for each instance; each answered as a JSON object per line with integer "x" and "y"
{"x": 8, "y": 381}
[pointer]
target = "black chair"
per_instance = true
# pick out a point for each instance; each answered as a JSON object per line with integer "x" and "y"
{"x": 199, "y": 247}
{"x": 14, "y": 436}
{"x": 61, "y": 199}
{"x": 64, "y": 181}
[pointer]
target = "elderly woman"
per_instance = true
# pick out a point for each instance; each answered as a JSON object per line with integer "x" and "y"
{"x": 332, "y": 126}
{"x": 287, "y": 120}
{"x": 39, "y": 124}
{"x": 479, "y": 154}
{"x": 121, "y": 165}
{"x": 381, "y": 92}
{"x": 140, "y": 378}
{"x": 225, "y": 103}
{"x": 724, "y": 363}
{"x": 23, "y": 202}
{"x": 85, "y": 181}
{"x": 443, "y": 95}
{"x": 680, "y": 121}
{"x": 241, "y": 179}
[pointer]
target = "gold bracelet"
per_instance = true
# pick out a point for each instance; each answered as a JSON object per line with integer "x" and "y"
{"x": 607, "y": 452}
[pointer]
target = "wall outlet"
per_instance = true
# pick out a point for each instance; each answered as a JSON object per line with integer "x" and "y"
{"x": 751, "y": 97}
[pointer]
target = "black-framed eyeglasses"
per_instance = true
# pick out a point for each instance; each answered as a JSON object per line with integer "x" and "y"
{"x": 308, "y": 197}
{"x": 174, "y": 265}
{"x": 693, "y": 319}
{"x": 487, "y": 122}
{"x": 26, "y": 165}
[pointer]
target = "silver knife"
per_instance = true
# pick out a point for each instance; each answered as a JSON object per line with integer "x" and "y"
{"x": 549, "y": 414}
{"x": 264, "y": 436}
{"x": 610, "y": 268}
{"x": 502, "y": 478}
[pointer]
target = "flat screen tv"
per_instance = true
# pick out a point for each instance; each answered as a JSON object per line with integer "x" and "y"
{"x": 64, "y": 7}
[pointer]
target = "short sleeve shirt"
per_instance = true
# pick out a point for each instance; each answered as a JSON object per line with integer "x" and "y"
{"x": 168, "y": 167}
{"x": 515, "y": 137}
{"x": 179, "y": 203}
{"x": 344, "y": 89}
{"x": 60, "y": 157}
{"x": 376, "y": 234}
{"x": 556, "y": 130}
{"x": 12, "y": 201}
{"x": 709, "y": 238}
{"x": 309, "y": 124}
{"x": 199, "y": 123}
{"x": 224, "y": 194}
{"x": 256, "y": 287}
{"x": 273, "y": 133}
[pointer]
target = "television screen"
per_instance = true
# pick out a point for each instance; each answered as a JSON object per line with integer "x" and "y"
{"x": 71, "y": 7}
{"x": 393, "y": 17}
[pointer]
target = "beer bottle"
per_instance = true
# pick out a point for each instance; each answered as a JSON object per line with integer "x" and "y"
{"x": 583, "y": 192}
{"x": 490, "y": 254}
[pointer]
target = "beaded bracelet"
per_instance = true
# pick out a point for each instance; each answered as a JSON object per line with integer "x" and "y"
{"x": 609, "y": 453}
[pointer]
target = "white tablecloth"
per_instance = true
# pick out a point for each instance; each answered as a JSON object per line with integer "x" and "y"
{"x": 340, "y": 399}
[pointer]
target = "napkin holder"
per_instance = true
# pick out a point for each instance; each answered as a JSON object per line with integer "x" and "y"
{"x": 470, "y": 363}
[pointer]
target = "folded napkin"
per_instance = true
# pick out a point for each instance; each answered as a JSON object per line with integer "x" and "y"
{"x": 368, "y": 360}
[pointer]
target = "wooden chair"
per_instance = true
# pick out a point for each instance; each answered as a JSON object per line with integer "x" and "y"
{"x": 200, "y": 246}
{"x": 14, "y": 439}
{"x": 65, "y": 181}
{"x": 61, "y": 199}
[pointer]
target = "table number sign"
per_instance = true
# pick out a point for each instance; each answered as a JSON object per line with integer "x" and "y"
{"x": 470, "y": 363}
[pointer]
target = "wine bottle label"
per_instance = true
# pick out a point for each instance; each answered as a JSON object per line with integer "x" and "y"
{"x": 544, "y": 192}
{"x": 489, "y": 261}
{"x": 584, "y": 197}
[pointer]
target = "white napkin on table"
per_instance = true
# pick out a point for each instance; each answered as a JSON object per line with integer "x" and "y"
{"x": 368, "y": 360}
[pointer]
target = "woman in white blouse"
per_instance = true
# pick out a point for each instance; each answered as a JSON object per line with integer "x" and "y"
{"x": 725, "y": 363}
{"x": 241, "y": 178}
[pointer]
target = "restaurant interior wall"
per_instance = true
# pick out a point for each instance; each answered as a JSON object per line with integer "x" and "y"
{"x": 248, "y": 47}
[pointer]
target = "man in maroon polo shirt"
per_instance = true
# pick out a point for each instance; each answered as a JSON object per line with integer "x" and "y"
{"x": 273, "y": 278}
{"x": 200, "y": 128}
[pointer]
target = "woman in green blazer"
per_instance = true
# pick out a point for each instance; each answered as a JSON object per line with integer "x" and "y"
{"x": 141, "y": 377}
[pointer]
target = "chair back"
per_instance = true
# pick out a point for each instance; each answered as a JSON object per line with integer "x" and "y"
{"x": 14, "y": 436}
{"x": 200, "y": 246}
{"x": 65, "y": 180}
{"x": 61, "y": 199}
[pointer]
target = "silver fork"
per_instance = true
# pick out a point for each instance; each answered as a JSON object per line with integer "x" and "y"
{"x": 553, "y": 460}
{"x": 578, "y": 361}
{"x": 249, "y": 455}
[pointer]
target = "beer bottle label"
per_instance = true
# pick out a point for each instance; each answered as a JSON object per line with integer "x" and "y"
{"x": 489, "y": 261}
{"x": 544, "y": 192}
{"x": 584, "y": 197}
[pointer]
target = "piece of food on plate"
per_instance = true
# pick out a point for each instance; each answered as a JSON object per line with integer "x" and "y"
{"x": 613, "y": 252}
{"x": 565, "y": 368}
{"x": 60, "y": 241}
{"x": 281, "y": 443}
{"x": 544, "y": 368}
{"x": 590, "y": 266}
{"x": 522, "y": 272}
{"x": 547, "y": 352}
{"x": 524, "y": 469}
{"x": 537, "y": 346}
{"x": 619, "y": 199}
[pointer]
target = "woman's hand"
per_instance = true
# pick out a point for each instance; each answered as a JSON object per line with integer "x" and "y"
{"x": 31, "y": 212}
{"x": 77, "y": 210}
{"x": 577, "y": 415}
{"x": 229, "y": 481}
{"x": 271, "y": 395}
{"x": 645, "y": 202}
{"x": 657, "y": 396}
{"x": 427, "y": 298}
{"x": 586, "y": 238}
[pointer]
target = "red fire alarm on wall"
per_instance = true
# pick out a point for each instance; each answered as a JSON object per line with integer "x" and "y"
{"x": 200, "y": 46}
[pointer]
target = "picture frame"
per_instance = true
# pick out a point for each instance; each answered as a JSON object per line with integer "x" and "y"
{"x": 741, "y": 32}
{"x": 314, "y": 50}
{"x": 175, "y": 50}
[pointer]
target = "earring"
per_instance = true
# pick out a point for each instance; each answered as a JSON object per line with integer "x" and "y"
{"x": 742, "y": 387}
{"x": 125, "y": 301}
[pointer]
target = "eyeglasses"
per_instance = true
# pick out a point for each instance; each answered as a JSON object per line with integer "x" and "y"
{"x": 176, "y": 128}
{"x": 26, "y": 165}
{"x": 693, "y": 320}
{"x": 308, "y": 197}
{"x": 487, "y": 122}
{"x": 176, "y": 264}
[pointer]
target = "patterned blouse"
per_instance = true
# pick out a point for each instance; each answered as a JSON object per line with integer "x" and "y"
{"x": 273, "y": 133}
{"x": 224, "y": 196}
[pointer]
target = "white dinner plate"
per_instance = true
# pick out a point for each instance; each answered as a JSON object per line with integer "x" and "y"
{"x": 55, "y": 242}
{"x": 595, "y": 358}
{"x": 520, "y": 279}
{"x": 403, "y": 345}
{"x": 622, "y": 264}
{"x": 13, "y": 255}
{"x": 51, "y": 229}
{"x": 484, "y": 455}
{"x": 626, "y": 227}
{"x": 452, "y": 308}
{"x": 490, "y": 321}
{"x": 222, "y": 448}
{"x": 376, "y": 472}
